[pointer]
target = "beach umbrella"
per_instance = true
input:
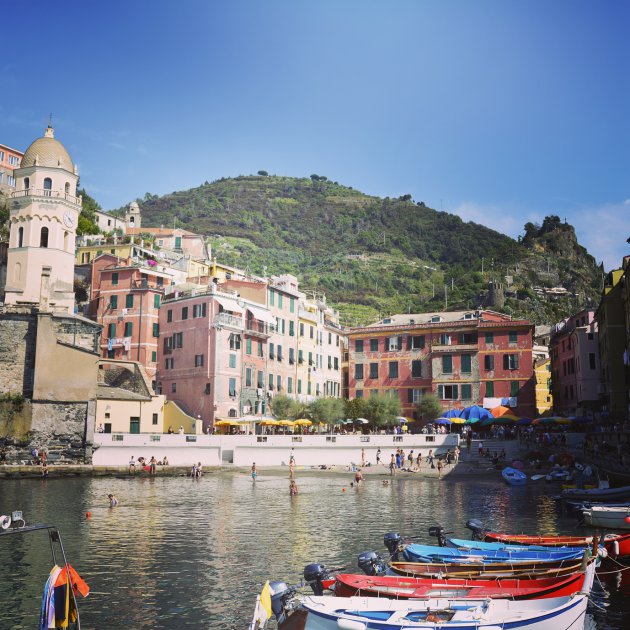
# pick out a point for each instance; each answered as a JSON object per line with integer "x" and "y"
{"x": 401, "y": 420}
{"x": 507, "y": 418}
{"x": 500, "y": 411}
{"x": 269, "y": 422}
{"x": 226, "y": 423}
{"x": 524, "y": 421}
{"x": 453, "y": 413}
{"x": 475, "y": 412}
{"x": 458, "y": 420}
{"x": 303, "y": 422}
{"x": 286, "y": 423}
{"x": 362, "y": 421}
{"x": 446, "y": 421}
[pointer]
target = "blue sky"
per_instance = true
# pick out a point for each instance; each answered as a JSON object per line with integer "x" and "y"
{"x": 502, "y": 112}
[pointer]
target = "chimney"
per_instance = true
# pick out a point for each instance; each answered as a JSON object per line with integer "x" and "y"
{"x": 44, "y": 290}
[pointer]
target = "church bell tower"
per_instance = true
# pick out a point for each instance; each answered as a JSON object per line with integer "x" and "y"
{"x": 44, "y": 215}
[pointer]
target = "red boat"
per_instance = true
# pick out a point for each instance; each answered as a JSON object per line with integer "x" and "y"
{"x": 348, "y": 585}
{"x": 493, "y": 570}
{"x": 617, "y": 545}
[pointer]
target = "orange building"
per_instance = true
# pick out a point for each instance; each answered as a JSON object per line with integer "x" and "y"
{"x": 10, "y": 159}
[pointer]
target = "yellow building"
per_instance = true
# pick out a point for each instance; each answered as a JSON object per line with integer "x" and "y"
{"x": 544, "y": 399}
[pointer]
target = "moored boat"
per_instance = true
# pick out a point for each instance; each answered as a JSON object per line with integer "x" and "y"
{"x": 459, "y": 543}
{"x": 609, "y": 517}
{"x": 513, "y": 476}
{"x": 597, "y": 494}
{"x": 374, "y": 613}
{"x": 428, "y": 553}
{"x": 617, "y": 545}
{"x": 399, "y": 587}
{"x": 485, "y": 570}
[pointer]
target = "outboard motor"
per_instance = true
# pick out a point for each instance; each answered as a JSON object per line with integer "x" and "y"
{"x": 477, "y": 528}
{"x": 392, "y": 542}
{"x": 314, "y": 574}
{"x": 371, "y": 563}
{"x": 439, "y": 533}
{"x": 280, "y": 595}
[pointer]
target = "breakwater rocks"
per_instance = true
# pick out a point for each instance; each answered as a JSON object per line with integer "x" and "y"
{"x": 12, "y": 471}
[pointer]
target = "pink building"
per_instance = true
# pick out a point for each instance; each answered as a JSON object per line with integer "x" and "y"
{"x": 125, "y": 299}
{"x": 574, "y": 354}
{"x": 464, "y": 358}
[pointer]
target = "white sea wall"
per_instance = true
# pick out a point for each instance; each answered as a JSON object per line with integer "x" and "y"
{"x": 116, "y": 449}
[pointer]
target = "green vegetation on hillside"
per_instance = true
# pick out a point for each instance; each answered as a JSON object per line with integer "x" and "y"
{"x": 372, "y": 256}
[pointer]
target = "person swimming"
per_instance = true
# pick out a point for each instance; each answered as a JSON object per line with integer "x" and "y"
{"x": 113, "y": 501}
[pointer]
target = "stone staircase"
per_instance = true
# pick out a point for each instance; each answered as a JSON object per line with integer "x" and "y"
{"x": 512, "y": 450}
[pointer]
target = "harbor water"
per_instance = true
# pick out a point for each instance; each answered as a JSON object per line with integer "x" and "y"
{"x": 178, "y": 553}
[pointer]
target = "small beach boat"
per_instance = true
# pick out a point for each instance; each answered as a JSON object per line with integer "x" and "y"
{"x": 428, "y": 553}
{"x": 594, "y": 495}
{"x": 514, "y": 477}
{"x": 609, "y": 517}
{"x": 401, "y": 587}
{"x": 489, "y": 570}
{"x": 459, "y": 543}
{"x": 617, "y": 545}
{"x": 374, "y": 613}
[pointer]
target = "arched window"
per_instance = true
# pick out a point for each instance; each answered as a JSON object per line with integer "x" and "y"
{"x": 232, "y": 413}
{"x": 27, "y": 183}
{"x": 21, "y": 237}
{"x": 43, "y": 239}
{"x": 47, "y": 186}
{"x": 17, "y": 272}
{"x": 67, "y": 188}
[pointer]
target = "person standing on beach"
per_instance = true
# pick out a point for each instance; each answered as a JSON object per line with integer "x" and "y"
{"x": 152, "y": 465}
{"x": 362, "y": 457}
{"x": 392, "y": 465}
{"x": 254, "y": 473}
{"x": 439, "y": 468}
{"x": 480, "y": 447}
{"x": 291, "y": 465}
{"x": 468, "y": 441}
{"x": 378, "y": 457}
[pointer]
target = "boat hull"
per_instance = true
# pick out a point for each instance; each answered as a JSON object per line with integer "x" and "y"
{"x": 597, "y": 494}
{"x": 361, "y": 613}
{"x": 610, "y": 518}
{"x": 490, "y": 570}
{"x": 349, "y": 585}
{"x": 617, "y": 545}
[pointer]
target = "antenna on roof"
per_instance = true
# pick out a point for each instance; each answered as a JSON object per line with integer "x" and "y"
{"x": 50, "y": 120}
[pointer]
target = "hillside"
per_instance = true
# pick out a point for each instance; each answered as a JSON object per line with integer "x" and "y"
{"x": 374, "y": 256}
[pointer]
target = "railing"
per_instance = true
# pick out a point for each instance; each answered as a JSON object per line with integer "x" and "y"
{"x": 225, "y": 319}
{"x": 144, "y": 284}
{"x": 43, "y": 192}
{"x": 257, "y": 328}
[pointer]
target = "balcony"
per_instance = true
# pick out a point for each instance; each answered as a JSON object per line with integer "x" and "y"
{"x": 228, "y": 321}
{"x": 258, "y": 329}
{"x": 43, "y": 192}
{"x": 145, "y": 285}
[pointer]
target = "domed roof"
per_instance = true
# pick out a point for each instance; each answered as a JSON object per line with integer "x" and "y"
{"x": 47, "y": 151}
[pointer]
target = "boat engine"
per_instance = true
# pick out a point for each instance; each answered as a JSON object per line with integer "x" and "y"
{"x": 281, "y": 594}
{"x": 439, "y": 533}
{"x": 392, "y": 542}
{"x": 477, "y": 528}
{"x": 314, "y": 574}
{"x": 371, "y": 563}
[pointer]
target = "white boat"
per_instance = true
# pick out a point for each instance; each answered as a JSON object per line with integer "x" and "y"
{"x": 617, "y": 517}
{"x": 374, "y": 613}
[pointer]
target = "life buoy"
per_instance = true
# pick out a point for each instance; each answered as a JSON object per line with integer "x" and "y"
{"x": 5, "y": 521}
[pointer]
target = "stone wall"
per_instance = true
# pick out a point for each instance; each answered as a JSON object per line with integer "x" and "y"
{"x": 17, "y": 353}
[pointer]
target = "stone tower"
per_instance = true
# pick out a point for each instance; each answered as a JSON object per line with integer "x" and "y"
{"x": 132, "y": 216}
{"x": 496, "y": 295}
{"x": 44, "y": 215}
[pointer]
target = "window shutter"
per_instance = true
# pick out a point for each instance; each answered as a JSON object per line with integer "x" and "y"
{"x": 506, "y": 362}
{"x": 409, "y": 339}
{"x": 455, "y": 392}
{"x": 516, "y": 361}
{"x": 441, "y": 391}
{"x": 399, "y": 345}
{"x": 410, "y": 395}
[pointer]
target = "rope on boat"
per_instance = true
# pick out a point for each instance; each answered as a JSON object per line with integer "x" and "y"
{"x": 625, "y": 567}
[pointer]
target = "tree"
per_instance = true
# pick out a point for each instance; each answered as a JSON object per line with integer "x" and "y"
{"x": 383, "y": 409}
{"x": 263, "y": 173}
{"x": 355, "y": 408}
{"x": 281, "y": 407}
{"x": 429, "y": 408}
{"x": 326, "y": 410}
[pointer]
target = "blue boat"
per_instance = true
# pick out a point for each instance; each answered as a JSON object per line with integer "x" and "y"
{"x": 514, "y": 477}
{"x": 459, "y": 543}
{"x": 429, "y": 553}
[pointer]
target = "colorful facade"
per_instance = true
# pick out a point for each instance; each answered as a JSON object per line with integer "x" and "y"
{"x": 574, "y": 356}
{"x": 10, "y": 159}
{"x": 464, "y": 358}
{"x": 125, "y": 299}
{"x": 227, "y": 349}
{"x": 544, "y": 398}
{"x": 611, "y": 323}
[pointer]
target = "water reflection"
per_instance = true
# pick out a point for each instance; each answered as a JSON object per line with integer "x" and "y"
{"x": 182, "y": 553}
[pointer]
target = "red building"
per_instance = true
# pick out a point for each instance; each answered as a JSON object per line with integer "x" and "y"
{"x": 464, "y": 358}
{"x": 125, "y": 299}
